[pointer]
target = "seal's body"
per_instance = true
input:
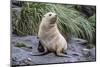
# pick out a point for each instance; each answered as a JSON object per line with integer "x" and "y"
{"x": 50, "y": 37}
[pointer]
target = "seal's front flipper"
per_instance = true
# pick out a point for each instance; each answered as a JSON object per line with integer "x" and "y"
{"x": 40, "y": 47}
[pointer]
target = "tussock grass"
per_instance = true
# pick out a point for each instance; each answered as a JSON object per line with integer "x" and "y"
{"x": 70, "y": 21}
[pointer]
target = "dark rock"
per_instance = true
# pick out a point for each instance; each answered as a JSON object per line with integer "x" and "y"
{"x": 86, "y": 9}
{"x": 16, "y": 3}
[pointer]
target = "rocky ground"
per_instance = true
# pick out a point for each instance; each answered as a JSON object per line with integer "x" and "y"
{"x": 22, "y": 47}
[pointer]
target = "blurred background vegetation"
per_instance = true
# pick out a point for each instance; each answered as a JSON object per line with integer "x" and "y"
{"x": 73, "y": 20}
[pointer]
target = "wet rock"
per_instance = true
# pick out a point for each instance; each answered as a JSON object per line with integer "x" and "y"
{"x": 85, "y": 52}
{"x": 28, "y": 41}
{"x": 93, "y": 54}
{"x": 20, "y": 57}
{"x": 79, "y": 41}
{"x": 76, "y": 52}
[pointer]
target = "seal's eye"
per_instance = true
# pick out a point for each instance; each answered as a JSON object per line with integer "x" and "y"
{"x": 50, "y": 14}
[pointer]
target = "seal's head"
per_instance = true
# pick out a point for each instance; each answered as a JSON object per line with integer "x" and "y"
{"x": 50, "y": 17}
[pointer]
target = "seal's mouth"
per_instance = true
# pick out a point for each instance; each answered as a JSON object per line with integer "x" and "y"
{"x": 53, "y": 21}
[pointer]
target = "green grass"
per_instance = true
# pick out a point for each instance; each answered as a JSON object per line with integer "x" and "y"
{"x": 92, "y": 20}
{"x": 20, "y": 45}
{"x": 70, "y": 21}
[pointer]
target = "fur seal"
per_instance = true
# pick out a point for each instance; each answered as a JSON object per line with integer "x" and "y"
{"x": 50, "y": 39}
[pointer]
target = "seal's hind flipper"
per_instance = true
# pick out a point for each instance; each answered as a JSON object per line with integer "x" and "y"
{"x": 61, "y": 55}
{"x": 41, "y": 54}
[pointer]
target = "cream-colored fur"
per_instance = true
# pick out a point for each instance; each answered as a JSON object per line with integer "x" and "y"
{"x": 49, "y": 35}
